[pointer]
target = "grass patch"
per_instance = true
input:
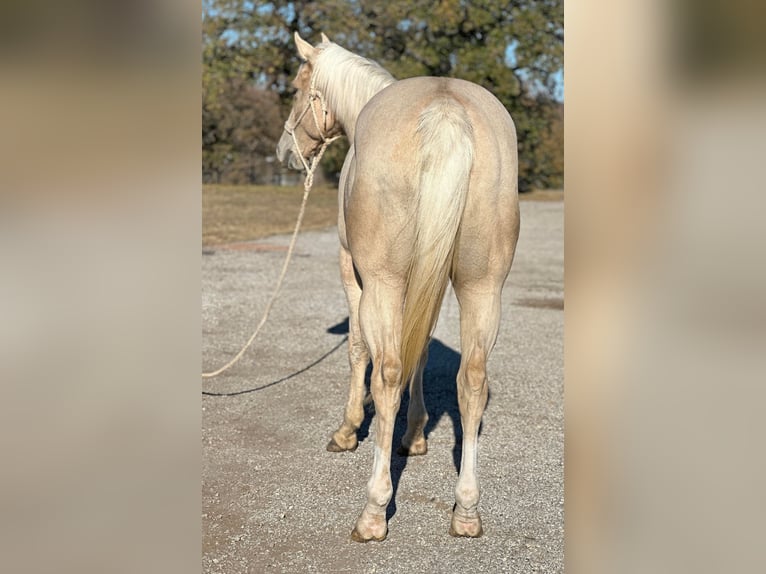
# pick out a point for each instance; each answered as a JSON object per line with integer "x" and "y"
{"x": 246, "y": 212}
{"x": 542, "y": 195}
{"x": 233, "y": 213}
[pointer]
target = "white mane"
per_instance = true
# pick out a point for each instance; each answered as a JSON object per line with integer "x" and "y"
{"x": 348, "y": 82}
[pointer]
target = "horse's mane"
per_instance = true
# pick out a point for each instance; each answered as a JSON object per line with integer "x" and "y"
{"x": 347, "y": 80}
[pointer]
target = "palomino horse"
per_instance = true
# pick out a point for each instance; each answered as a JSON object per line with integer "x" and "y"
{"x": 428, "y": 193}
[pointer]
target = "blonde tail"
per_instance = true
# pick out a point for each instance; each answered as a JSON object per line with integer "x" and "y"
{"x": 446, "y": 157}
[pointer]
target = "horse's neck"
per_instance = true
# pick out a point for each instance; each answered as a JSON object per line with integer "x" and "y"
{"x": 348, "y": 109}
{"x": 347, "y": 118}
{"x": 351, "y": 89}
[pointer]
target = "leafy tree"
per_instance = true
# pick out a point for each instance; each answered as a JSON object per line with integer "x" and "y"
{"x": 514, "y": 49}
{"x": 240, "y": 128}
{"x": 542, "y": 163}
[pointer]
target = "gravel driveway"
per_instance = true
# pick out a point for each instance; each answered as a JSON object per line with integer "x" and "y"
{"x": 273, "y": 500}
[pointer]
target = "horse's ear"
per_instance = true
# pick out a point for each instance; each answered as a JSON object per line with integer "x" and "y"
{"x": 325, "y": 39}
{"x": 305, "y": 50}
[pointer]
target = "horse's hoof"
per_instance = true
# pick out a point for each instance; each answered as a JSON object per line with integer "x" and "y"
{"x": 461, "y": 527}
{"x": 333, "y": 446}
{"x": 416, "y": 449}
{"x": 356, "y": 537}
{"x": 365, "y": 530}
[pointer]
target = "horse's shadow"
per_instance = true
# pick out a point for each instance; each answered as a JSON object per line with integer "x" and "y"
{"x": 440, "y": 396}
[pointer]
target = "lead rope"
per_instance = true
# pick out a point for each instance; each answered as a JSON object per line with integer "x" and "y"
{"x": 307, "y": 183}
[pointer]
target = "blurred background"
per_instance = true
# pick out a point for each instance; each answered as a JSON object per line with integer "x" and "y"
{"x": 665, "y": 314}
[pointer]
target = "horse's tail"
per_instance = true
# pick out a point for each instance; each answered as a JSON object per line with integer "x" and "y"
{"x": 445, "y": 160}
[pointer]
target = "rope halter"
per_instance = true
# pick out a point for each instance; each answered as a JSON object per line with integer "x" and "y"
{"x": 314, "y": 95}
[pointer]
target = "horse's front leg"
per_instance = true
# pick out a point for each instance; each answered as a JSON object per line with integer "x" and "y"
{"x": 345, "y": 437}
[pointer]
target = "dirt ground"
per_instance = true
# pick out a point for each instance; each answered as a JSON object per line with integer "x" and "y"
{"x": 275, "y": 501}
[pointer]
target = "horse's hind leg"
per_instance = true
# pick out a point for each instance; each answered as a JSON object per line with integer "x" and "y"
{"x": 479, "y": 322}
{"x": 414, "y": 440}
{"x": 381, "y": 321}
{"x": 345, "y": 437}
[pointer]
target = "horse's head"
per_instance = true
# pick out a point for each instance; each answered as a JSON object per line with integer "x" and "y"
{"x": 311, "y": 123}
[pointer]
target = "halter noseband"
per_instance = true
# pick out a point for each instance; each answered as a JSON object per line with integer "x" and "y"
{"x": 314, "y": 95}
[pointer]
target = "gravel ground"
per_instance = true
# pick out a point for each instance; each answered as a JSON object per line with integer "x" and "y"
{"x": 273, "y": 500}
